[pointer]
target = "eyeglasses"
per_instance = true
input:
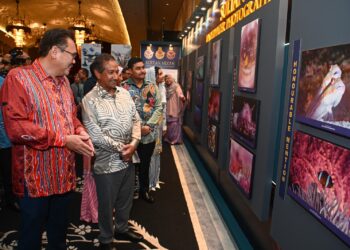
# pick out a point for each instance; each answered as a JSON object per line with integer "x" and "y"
{"x": 74, "y": 55}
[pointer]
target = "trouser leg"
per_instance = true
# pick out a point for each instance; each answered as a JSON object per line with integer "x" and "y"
{"x": 145, "y": 152}
{"x": 124, "y": 200}
{"x": 34, "y": 213}
{"x": 57, "y": 223}
{"x": 107, "y": 189}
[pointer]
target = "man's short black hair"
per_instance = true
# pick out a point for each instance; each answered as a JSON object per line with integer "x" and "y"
{"x": 98, "y": 63}
{"x": 85, "y": 71}
{"x": 54, "y": 37}
{"x": 133, "y": 61}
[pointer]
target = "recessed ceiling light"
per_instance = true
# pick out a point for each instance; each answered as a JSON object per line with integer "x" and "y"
{"x": 197, "y": 17}
{"x": 166, "y": 4}
{"x": 193, "y": 22}
{"x": 209, "y": 1}
{"x": 203, "y": 8}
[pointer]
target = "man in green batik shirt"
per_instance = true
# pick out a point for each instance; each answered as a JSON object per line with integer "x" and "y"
{"x": 149, "y": 106}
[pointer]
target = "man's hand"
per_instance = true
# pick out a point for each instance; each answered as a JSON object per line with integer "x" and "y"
{"x": 88, "y": 142}
{"x": 80, "y": 144}
{"x": 145, "y": 130}
{"x": 127, "y": 152}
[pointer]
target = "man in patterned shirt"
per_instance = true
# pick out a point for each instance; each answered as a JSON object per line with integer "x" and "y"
{"x": 113, "y": 123}
{"x": 149, "y": 106}
{"x": 40, "y": 120}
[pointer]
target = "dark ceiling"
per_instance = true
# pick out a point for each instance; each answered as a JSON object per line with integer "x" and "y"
{"x": 144, "y": 20}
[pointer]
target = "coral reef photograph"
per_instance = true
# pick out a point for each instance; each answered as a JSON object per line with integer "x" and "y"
{"x": 319, "y": 180}
{"x": 241, "y": 167}
{"x": 245, "y": 116}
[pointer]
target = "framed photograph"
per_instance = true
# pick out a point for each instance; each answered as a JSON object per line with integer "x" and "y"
{"x": 189, "y": 81}
{"x": 319, "y": 181}
{"x": 197, "y": 118}
{"x": 88, "y": 54}
{"x": 215, "y": 55}
{"x": 323, "y": 98}
{"x": 200, "y": 67}
{"x": 244, "y": 115}
{"x": 248, "y": 58}
{"x": 241, "y": 167}
{"x": 213, "y": 135}
{"x": 214, "y": 105}
{"x": 199, "y": 91}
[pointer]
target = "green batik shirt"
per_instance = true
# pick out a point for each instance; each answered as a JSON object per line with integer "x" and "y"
{"x": 148, "y": 104}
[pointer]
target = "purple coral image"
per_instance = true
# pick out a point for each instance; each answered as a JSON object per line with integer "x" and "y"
{"x": 319, "y": 180}
{"x": 244, "y": 119}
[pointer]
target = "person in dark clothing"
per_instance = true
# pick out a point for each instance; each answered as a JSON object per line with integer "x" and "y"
{"x": 90, "y": 82}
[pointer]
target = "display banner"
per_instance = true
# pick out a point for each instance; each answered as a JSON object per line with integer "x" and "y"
{"x": 290, "y": 119}
{"x": 89, "y": 52}
{"x": 121, "y": 53}
{"x": 165, "y": 55}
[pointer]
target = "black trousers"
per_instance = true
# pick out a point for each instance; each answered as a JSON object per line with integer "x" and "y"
{"x": 6, "y": 173}
{"x": 145, "y": 152}
{"x": 51, "y": 211}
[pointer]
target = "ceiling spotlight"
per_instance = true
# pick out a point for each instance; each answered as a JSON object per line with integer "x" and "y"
{"x": 209, "y": 1}
{"x": 203, "y": 8}
{"x": 188, "y": 27}
{"x": 197, "y": 17}
{"x": 193, "y": 22}
{"x": 166, "y": 4}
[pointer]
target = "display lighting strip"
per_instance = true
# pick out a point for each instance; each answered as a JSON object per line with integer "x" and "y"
{"x": 199, "y": 18}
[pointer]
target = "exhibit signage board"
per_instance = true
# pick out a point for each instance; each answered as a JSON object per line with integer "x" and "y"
{"x": 165, "y": 55}
{"x": 290, "y": 117}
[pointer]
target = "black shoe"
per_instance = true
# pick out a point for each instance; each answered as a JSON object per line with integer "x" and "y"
{"x": 129, "y": 235}
{"x": 105, "y": 246}
{"x": 147, "y": 197}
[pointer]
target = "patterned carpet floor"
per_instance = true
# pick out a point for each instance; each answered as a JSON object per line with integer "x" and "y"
{"x": 166, "y": 224}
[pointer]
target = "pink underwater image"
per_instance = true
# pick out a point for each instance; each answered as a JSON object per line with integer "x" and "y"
{"x": 214, "y": 105}
{"x": 248, "y": 56}
{"x": 241, "y": 166}
{"x": 319, "y": 180}
{"x": 245, "y": 116}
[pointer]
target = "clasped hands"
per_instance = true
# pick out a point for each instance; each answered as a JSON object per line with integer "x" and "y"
{"x": 127, "y": 152}
{"x": 80, "y": 144}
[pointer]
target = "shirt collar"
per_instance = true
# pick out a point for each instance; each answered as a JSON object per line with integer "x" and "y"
{"x": 103, "y": 93}
{"x": 42, "y": 74}
{"x": 131, "y": 82}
